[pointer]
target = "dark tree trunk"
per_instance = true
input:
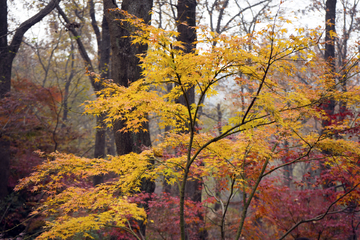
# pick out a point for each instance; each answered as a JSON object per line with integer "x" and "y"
{"x": 5, "y": 71}
{"x": 124, "y": 70}
{"x": 100, "y": 143}
{"x": 125, "y": 66}
{"x": 104, "y": 52}
{"x": 186, "y": 22}
{"x": 67, "y": 86}
{"x": 7, "y": 55}
{"x": 187, "y": 15}
{"x": 330, "y": 27}
{"x": 329, "y": 104}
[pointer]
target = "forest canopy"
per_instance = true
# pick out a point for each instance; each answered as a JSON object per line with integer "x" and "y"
{"x": 237, "y": 129}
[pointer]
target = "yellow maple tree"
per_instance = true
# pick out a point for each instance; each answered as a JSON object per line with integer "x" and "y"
{"x": 274, "y": 113}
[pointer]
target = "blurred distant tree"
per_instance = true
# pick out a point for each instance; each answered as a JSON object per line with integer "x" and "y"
{"x": 7, "y": 54}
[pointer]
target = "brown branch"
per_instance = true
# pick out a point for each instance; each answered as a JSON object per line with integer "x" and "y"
{"x": 81, "y": 47}
{"x": 321, "y": 216}
{"x": 19, "y": 33}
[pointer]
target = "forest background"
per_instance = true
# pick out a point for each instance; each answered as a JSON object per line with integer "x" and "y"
{"x": 219, "y": 120}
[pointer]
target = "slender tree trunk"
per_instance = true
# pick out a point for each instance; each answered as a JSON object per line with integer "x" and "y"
{"x": 217, "y": 185}
{"x": 67, "y": 86}
{"x": 104, "y": 52}
{"x": 330, "y": 27}
{"x": 186, "y": 22}
{"x": 288, "y": 170}
{"x": 7, "y": 55}
{"x": 329, "y": 104}
{"x": 5, "y": 71}
{"x": 330, "y": 16}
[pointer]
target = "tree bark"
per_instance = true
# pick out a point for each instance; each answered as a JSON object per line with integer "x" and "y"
{"x": 104, "y": 55}
{"x": 186, "y": 22}
{"x": 124, "y": 70}
{"x": 7, "y": 55}
{"x": 330, "y": 27}
{"x": 67, "y": 86}
{"x": 125, "y": 66}
{"x": 5, "y": 71}
{"x": 329, "y": 104}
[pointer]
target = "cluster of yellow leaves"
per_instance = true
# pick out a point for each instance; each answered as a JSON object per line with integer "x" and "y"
{"x": 66, "y": 181}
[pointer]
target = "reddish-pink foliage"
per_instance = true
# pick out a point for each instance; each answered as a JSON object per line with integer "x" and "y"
{"x": 163, "y": 217}
{"x": 30, "y": 119}
{"x": 278, "y": 208}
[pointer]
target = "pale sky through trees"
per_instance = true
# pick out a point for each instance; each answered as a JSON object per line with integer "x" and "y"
{"x": 305, "y": 18}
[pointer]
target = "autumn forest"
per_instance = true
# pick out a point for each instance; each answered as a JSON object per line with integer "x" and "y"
{"x": 180, "y": 119}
